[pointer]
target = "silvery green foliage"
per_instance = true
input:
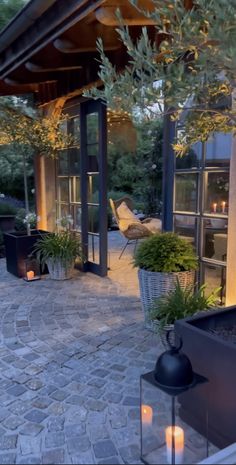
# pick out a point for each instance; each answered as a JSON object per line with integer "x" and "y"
{"x": 197, "y": 58}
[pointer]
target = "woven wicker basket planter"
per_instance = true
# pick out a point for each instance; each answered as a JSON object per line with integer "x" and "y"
{"x": 154, "y": 285}
{"x": 59, "y": 272}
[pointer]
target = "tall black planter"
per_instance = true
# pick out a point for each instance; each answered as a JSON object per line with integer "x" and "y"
{"x": 18, "y": 247}
{"x": 214, "y": 358}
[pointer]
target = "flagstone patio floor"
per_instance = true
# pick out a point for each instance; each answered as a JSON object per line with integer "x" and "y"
{"x": 71, "y": 354}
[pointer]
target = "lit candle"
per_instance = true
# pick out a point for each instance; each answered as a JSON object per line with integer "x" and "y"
{"x": 175, "y": 435}
{"x": 30, "y": 275}
{"x": 147, "y": 415}
{"x": 214, "y": 207}
{"x": 223, "y": 207}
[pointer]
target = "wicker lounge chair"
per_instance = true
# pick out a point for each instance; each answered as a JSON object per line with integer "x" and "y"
{"x": 129, "y": 225}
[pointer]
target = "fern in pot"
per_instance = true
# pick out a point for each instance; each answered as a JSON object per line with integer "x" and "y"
{"x": 179, "y": 304}
{"x": 163, "y": 259}
{"x": 58, "y": 251}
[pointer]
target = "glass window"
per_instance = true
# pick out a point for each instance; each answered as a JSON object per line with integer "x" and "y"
{"x": 93, "y": 188}
{"x": 193, "y": 159}
{"x": 92, "y": 128}
{"x": 77, "y": 216}
{"x": 93, "y": 249}
{"x": 215, "y": 239}
{"x": 218, "y": 150}
{"x": 93, "y": 218}
{"x": 64, "y": 189}
{"x": 75, "y": 191}
{"x": 186, "y": 227}
{"x": 74, "y": 161}
{"x": 216, "y": 193}
{"x": 63, "y": 168}
{"x": 215, "y": 277}
{"x": 186, "y": 192}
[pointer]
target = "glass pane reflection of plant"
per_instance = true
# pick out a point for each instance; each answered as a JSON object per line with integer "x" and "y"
{"x": 92, "y": 128}
{"x": 186, "y": 193}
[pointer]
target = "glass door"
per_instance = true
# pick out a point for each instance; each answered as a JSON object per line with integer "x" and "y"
{"x": 94, "y": 186}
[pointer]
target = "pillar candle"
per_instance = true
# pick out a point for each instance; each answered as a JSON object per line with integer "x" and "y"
{"x": 175, "y": 434}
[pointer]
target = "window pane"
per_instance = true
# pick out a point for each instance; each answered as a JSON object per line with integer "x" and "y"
{"x": 76, "y": 130}
{"x": 63, "y": 189}
{"x": 186, "y": 192}
{"x": 74, "y": 161}
{"x": 93, "y": 188}
{"x": 75, "y": 189}
{"x": 77, "y": 218}
{"x": 191, "y": 160}
{"x": 186, "y": 227}
{"x": 93, "y": 249}
{"x": 63, "y": 168}
{"x": 92, "y": 128}
{"x": 216, "y": 193}
{"x": 215, "y": 277}
{"x": 93, "y": 217}
{"x": 218, "y": 150}
{"x": 215, "y": 239}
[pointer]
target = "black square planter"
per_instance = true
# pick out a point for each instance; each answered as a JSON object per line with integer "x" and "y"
{"x": 214, "y": 358}
{"x": 18, "y": 247}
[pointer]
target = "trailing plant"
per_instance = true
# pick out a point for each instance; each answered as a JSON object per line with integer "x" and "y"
{"x": 60, "y": 247}
{"x": 166, "y": 253}
{"x": 182, "y": 303}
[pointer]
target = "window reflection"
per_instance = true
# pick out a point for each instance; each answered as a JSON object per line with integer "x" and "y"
{"x": 186, "y": 227}
{"x": 215, "y": 277}
{"x": 218, "y": 150}
{"x": 186, "y": 192}
{"x": 215, "y": 239}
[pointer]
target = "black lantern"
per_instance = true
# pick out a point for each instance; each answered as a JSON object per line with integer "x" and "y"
{"x": 166, "y": 434}
{"x": 32, "y": 269}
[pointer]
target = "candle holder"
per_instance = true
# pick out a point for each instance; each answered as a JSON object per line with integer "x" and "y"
{"x": 168, "y": 436}
{"x": 32, "y": 269}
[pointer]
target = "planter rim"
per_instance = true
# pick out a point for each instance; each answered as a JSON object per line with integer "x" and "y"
{"x": 18, "y": 234}
{"x": 7, "y": 216}
{"x": 169, "y": 273}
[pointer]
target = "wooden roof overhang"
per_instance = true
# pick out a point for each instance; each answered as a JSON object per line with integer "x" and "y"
{"x": 49, "y": 48}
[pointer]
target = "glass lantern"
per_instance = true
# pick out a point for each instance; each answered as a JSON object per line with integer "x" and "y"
{"x": 32, "y": 269}
{"x": 168, "y": 434}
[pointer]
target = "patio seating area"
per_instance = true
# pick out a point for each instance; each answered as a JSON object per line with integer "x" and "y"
{"x": 71, "y": 356}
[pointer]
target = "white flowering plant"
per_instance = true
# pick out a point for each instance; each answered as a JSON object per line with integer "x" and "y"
{"x": 31, "y": 220}
{"x": 65, "y": 221}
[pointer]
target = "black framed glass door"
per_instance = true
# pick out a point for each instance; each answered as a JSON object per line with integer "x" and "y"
{"x": 94, "y": 185}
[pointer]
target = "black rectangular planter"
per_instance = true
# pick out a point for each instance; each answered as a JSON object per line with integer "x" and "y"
{"x": 18, "y": 247}
{"x": 214, "y": 358}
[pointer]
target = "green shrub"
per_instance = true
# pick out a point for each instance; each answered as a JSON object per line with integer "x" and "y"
{"x": 166, "y": 253}
{"x": 62, "y": 246}
{"x": 182, "y": 303}
{"x": 6, "y": 209}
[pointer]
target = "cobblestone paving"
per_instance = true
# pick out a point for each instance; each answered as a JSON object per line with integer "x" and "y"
{"x": 71, "y": 354}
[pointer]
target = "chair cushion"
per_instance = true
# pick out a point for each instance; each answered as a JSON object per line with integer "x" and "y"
{"x": 124, "y": 213}
{"x": 154, "y": 225}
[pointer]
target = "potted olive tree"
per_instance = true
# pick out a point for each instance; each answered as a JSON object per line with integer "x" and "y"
{"x": 163, "y": 259}
{"x": 58, "y": 251}
{"x": 28, "y": 133}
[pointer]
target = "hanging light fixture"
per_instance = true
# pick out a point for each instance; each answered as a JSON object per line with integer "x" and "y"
{"x": 121, "y": 131}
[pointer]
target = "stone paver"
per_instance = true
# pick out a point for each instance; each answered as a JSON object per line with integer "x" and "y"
{"x": 71, "y": 354}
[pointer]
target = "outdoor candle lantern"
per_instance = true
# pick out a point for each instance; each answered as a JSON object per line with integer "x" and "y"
{"x": 167, "y": 434}
{"x": 32, "y": 269}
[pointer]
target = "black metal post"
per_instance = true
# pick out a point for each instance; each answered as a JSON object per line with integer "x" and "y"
{"x": 168, "y": 173}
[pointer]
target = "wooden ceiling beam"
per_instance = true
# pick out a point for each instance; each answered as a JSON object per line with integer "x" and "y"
{"x": 35, "y": 68}
{"x": 67, "y": 46}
